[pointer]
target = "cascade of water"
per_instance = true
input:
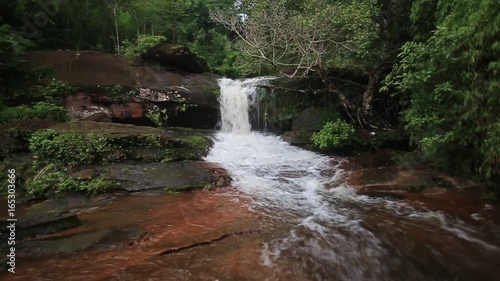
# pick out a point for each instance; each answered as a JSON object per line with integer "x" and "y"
{"x": 235, "y": 101}
{"x": 329, "y": 226}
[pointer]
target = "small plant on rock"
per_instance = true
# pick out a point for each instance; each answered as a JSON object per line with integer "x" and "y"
{"x": 334, "y": 134}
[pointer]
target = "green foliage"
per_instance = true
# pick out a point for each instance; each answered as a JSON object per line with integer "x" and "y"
{"x": 59, "y": 181}
{"x": 54, "y": 91}
{"x": 187, "y": 148}
{"x": 104, "y": 25}
{"x": 39, "y": 110}
{"x": 73, "y": 149}
{"x": 354, "y": 21}
{"x": 158, "y": 116}
{"x": 22, "y": 87}
{"x": 117, "y": 92}
{"x": 308, "y": 35}
{"x": 452, "y": 83}
{"x": 12, "y": 47}
{"x": 134, "y": 50}
{"x": 334, "y": 134}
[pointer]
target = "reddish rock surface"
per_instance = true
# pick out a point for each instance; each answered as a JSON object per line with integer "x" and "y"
{"x": 167, "y": 222}
{"x": 379, "y": 175}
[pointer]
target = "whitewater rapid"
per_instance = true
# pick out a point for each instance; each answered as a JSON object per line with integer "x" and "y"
{"x": 332, "y": 230}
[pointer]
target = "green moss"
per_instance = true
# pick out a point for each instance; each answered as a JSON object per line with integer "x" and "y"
{"x": 88, "y": 144}
{"x": 57, "y": 181}
{"x": 192, "y": 147}
{"x": 39, "y": 110}
{"x": 73, "y": 149}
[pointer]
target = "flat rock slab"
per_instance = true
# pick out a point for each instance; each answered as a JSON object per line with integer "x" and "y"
{"x": 98, "y": 240}
{"x": 50, "y": 216}
{"x": 175, "y": 176}
{"x": 31, "y": 226}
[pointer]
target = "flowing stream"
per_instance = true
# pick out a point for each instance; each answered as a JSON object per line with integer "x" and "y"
{"x": 289, "y": 216}
{"x": 332, "y": 233}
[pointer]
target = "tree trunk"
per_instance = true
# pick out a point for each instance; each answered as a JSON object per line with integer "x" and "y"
{"x": 374, "y": 79}
{"x": 114, "y": 8}
{"x": 116, "y": 29}
{"x": 346, "y": 103}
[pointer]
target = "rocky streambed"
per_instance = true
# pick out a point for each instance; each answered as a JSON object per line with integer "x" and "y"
{"x": 241, "y": 205}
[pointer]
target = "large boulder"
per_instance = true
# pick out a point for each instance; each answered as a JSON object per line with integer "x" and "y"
{"x": 92, "y": 68}
{"x": 309, "y": 119}
{"x": 94, "y": 71}
{"x": 123, "y": 142}
{"x": 176, "y": 56}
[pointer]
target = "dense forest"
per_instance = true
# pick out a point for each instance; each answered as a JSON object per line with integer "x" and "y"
{"x": 430, "y": 68}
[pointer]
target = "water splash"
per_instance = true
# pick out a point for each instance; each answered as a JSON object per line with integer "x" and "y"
{"x": 237, "y": 96}
{"x": 334, "y": 233}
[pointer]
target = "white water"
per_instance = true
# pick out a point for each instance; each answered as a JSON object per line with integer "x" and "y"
{"x": 328, "y": 226}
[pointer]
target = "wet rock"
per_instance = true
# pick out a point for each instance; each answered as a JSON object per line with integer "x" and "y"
{"x": 120, "y": 237}
{"x": 51, "y": 216}
{"x": 97, "y": 240}
{"x": 386, "y": 195}
{"x": 381, "y": 175}
{"x": 47, "y": 223}
{"x": 176, "y": 176}
{"x": 87, "y": 174}
{"x": 64, "y": 245}
{"x": 297, "y": 137}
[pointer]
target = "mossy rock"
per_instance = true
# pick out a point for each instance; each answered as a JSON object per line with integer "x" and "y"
{"x": 114, "y": 129}
{"x": 87, "y": 142}
{"x": 188, "y": 147}
{"x": 178, "y": 176}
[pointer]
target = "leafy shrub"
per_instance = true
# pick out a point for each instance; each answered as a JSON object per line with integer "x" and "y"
{"x": 72, "y": 149}
{"x": 12, "y": 47}
{"x": 451, "y": 80}
{"x": 59, "y": 181}
{"x": 158, "y": 116}
{"x": 54, "y": 90}
{"x": 334, "y": 134}
{"x": 39, "y": 110}
{"x": 22, "y": 87}
{"x": 134, "y": 50}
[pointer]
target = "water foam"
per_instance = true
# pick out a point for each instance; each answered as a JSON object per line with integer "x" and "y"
{"x": 290, "y": 184}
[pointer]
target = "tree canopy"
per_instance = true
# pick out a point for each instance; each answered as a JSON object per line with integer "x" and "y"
{"x": 429, "y": 68}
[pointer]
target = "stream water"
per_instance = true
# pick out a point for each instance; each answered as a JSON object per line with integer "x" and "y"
{"x": 333, "y": 234}
{"x": 288, "y": 217}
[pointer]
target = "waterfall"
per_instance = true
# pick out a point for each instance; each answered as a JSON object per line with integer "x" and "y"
{"x": 235, "y": 101}
{"x": 334, "y": 233}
